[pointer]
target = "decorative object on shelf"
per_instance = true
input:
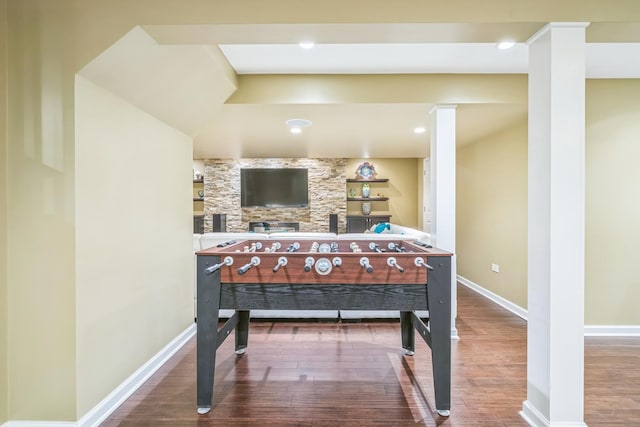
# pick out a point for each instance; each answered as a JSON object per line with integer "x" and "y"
{"x": 352, "y": 193}
{"x": 366, "y": 208}
{"x": 382, "y": 227}
{"x": 197, "y": 175}
{"x": 380, "y": 195}
{"x": 365, "y": 190}
{"x": 201, "y": 193}
{"x": 366, "y": 171}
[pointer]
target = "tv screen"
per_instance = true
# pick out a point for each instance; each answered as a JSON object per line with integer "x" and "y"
{"x": 274, "y": 187}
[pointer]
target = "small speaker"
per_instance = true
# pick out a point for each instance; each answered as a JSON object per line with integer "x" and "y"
{"x": 333, "y": 223}
{"x": 198, "y": 224}
{"x": 219, "y": 223}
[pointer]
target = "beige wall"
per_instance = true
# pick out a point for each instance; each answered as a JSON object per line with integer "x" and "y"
{"x": 491, "y": 213}
{"x": 57, "y": 308}
{"x": 3, "y": 213}
{"x": 402, "y": 188}
{"x": 491, "y": 207}
{"x": 40, "y": 231}
{"x": 612, "y": 287}
{"x": 134, "y": 264}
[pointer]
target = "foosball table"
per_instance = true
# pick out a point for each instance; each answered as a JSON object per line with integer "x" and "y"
{"x": 324, "y": 275}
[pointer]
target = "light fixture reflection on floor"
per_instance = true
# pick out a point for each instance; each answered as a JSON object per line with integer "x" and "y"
{"x": 296, "y": 125}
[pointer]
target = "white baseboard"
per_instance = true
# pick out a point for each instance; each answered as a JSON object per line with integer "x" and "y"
{"x": 534, "y": 418}
{"x": 502, "y": 302}
{"x": 454, "y": 333}
{"x": 110, "y": 403}
{"x": 611, "y": 331}
{"x": 589, "y": 330}
{"x": 39, "y": 424}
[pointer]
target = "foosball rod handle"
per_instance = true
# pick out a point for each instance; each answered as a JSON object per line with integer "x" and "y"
{"x": 293, "y": 247}
{"x": 395, "y": 247}
{"x": 308, "y": 263}
{"x": 392, "y": 262}
{"x": 364, "y": 262}
{"x": 419, "y": 262}
{"x": 254, "y": 261}
{"x": 210, "y": 270}
{"x": 282, "y": 261}
{"x": 374, "y": 247}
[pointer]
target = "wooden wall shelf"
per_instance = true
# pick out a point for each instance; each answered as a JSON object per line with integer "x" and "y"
{"x": 367, "y": 199}
{"x": 367, "y": 180}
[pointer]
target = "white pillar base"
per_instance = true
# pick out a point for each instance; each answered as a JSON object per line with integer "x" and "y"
{"x": 534, "y": 418}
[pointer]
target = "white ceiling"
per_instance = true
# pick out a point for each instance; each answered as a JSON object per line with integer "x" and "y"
{"x": 177, "y": 74}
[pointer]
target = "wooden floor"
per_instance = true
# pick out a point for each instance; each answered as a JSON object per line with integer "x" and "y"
{"x": 355, "y": 374}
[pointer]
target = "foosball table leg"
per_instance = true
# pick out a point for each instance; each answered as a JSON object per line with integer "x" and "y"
{"x": 439, "y": 304}
{"x": 208, "y": 307}
{"x": 408, "y": 333}
{"x": 242, "y": 331}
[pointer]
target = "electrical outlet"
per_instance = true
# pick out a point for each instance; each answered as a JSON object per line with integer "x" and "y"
{"x": 495, "y": 268}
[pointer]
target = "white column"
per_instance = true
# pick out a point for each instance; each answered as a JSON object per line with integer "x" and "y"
{"x": 443, "y": 191}
{"x": 555, "y": 340}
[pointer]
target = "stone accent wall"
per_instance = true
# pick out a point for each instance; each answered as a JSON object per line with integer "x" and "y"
{"x": 327, "y": 194}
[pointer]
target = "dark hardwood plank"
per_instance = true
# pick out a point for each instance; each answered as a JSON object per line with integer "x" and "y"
{"x": 355, "y": 374}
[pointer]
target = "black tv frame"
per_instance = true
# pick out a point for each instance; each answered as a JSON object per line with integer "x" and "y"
{"x": 274, "y": 187}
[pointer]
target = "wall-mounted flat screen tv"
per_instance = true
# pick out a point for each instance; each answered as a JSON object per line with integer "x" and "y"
{"x": 274, "y": 187}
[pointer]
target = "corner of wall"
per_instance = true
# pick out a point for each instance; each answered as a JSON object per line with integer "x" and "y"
{"x": 3, "y": 213}
{"x": 129, "y": 210}
{"x": 491, "y": 215}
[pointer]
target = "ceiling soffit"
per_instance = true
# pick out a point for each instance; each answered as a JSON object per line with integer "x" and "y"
{"x": 183, "y": 86}
{"x": 178, "y": 74}
{"x": 412, "y": 88}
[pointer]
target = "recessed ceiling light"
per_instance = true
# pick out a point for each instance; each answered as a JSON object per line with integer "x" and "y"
{"x": 419, "y": 130}
{"x": 306, "y": 44}
{"x": 506, "y": 45}
{"x": 298, "y": 123}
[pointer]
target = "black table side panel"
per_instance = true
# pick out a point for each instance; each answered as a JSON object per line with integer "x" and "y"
{"x": 323, "y": 297}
